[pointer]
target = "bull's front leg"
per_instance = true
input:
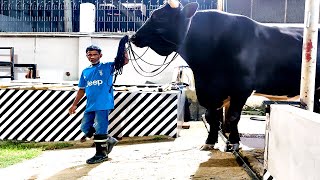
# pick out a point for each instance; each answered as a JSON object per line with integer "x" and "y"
{"x": 214, "y": 118}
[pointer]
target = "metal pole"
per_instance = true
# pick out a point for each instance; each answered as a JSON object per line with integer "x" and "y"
{"x": 251, "y": 9}
{"x": 309, "y": 53}
{"x": 220, "y": 5}
{"x": 67, "y": 16}
{"x": 285, "y": 11}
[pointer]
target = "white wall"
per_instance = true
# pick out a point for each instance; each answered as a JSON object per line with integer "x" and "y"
{"x": 53, "y": 56}
{"x": 293, "y": 148}
{"x": 56, "y": 54}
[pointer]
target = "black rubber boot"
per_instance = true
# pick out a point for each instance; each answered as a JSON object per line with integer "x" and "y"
{"x": 111, "y": 143}
{"x": 100, "y": 141}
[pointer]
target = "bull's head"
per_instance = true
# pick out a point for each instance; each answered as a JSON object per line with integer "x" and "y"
{"x": 165, "y": 30}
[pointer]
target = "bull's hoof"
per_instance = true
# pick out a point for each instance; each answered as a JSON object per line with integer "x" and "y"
{"x": 232, "y": 147}
{"x": 209, "y": 147}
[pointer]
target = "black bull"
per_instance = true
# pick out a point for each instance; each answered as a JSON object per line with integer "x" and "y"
{"x": 230, "y": 55}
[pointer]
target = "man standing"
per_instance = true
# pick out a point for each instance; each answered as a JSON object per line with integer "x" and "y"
{"x": 96, "y": 83}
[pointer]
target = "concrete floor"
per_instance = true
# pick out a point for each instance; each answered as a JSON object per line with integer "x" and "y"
{"x": 176, "y": 159}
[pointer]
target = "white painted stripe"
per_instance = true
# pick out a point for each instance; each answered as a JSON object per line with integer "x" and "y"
{"x": 267, "y": 175}
{"x": 5, "y": 116}
{"x": 24, "y": 116}
{"x": 15, "y": 105}
{"x": 120, "y": 96}
{"x": 151, "y": 115}
{"x": 120, "y": 107}
{"x": 45, "y": 122}
{"x": 2, "y": 99}
{"x": 174, "y": 133}
{"x": 136, "y": 111}
{"x": 125, "y": 102}
{"x": 157, "y": 119}
{"x": 8, "y": 102}
{"x": 53, "y": 119}
{"x": 34, "y": 112}
{"x": 162, "y": 124}
{"x": 72, "y": 125}
{"x": 31, "y": 119}
{"x": 63, "y": 123}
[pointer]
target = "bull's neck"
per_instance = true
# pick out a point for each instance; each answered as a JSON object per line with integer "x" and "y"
{"x": 182, "y": 52}
{"x": 181, "y": 48}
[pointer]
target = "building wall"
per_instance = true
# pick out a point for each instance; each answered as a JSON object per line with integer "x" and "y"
{"x": 56, "y": 54}
{"x": 53, "y": 56}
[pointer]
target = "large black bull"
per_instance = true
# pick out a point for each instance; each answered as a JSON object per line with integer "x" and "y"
{"x": 230, "y": 55}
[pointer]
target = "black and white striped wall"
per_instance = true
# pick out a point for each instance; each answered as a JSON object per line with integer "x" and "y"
{"x": 267, "y": 175}
{"x": 42, "y": 115}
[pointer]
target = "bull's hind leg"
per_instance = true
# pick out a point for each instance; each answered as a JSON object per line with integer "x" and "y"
{"x": 233, "y": 116}
{"x": 214, "y": 118}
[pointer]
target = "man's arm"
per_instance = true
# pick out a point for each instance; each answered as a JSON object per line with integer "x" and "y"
{"x": 73, "y": 107}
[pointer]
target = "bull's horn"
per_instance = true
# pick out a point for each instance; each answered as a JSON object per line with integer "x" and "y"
{"x": 173, "y": 3}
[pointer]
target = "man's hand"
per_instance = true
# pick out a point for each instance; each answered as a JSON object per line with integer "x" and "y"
{"x": 72, "y": 110}
{"x": 126, "y": 58}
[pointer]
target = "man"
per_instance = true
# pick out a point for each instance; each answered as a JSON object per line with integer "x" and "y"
{"x": 96, "y": 83}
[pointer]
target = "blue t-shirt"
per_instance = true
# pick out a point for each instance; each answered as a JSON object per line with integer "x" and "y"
{"x": 97, "y": 82}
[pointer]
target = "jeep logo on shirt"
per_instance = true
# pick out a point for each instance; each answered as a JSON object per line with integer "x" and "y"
{"x": 94, "y": 83}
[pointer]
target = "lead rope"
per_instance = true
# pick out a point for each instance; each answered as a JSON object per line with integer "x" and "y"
{"x": 117, "y": 69}
{"x": 166, "y": 64}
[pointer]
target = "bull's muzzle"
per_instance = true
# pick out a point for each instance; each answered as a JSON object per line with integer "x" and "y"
{"x": 137, "y": 41}
{"x": 133, "y": 38}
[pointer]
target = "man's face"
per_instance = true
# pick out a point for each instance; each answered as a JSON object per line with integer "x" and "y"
{"x": 94, "y": 56}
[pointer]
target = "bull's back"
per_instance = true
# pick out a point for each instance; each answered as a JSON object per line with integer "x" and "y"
{"x": 241, "y": 53}
{"x": 278, "y": 65}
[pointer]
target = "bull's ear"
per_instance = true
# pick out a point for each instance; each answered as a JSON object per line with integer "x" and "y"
{"x": 190, "y": 9}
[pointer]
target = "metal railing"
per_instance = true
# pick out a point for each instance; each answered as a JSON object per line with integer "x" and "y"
{"x": 63, "y": 15}
{"x": 126, "y": 15}
{"x": 268, "y": 11}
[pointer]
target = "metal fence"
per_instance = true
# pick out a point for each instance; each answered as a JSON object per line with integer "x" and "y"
{"x": 63, "y": 15}
{"x": 269, "y": 11}
{"x": 126, "y": 15}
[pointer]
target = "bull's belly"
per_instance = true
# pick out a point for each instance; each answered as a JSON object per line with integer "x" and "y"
{"x": 276, "y": 88}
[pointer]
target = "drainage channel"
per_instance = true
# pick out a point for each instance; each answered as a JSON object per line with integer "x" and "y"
{"x": 241, "y": 161}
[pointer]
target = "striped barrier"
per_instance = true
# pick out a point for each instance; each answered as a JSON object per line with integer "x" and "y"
{"x": 42, "y": 115}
